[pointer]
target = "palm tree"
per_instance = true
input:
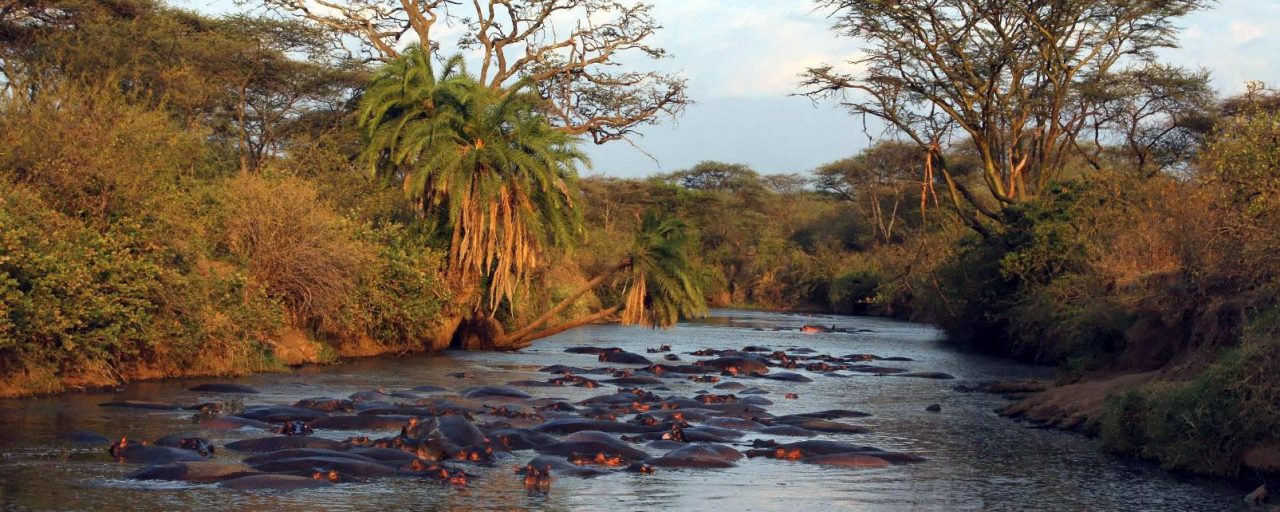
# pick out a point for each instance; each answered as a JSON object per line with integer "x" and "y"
{"x": 496, "y": 170}
{"x": 659, "y": 279}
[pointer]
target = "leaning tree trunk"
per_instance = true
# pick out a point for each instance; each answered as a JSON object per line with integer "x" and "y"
{"x": 527, "y": 330}
{"x": 528, "y": 339}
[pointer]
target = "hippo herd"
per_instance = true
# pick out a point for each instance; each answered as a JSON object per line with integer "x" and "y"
{"x": 430, "y": 433}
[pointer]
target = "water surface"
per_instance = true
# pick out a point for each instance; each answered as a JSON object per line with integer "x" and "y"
{"x": 977, "y": 460}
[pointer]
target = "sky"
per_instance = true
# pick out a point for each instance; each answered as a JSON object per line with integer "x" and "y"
{"x": 742, "y": 59}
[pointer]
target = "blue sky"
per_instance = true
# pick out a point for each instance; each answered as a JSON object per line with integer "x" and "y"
{"x": 742, "y": 58}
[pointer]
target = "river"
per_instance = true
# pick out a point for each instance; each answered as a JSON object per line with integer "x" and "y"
{"x": 977, "y": 460}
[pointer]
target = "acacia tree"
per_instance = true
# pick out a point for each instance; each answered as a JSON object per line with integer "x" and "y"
{"x": 570, "y": 50}
{"x": 876, "y": 181}
{"x": 1004, "y": 76}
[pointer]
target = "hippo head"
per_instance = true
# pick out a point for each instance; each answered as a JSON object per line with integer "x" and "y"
{"x": 331, "y": 476}
{"x": 537, "y": 478}
{"x": 640, "y": 468}
{"x": 600, "y": 459}
{"x": 198, "y": 445}
{"x": 117, "y": 446}
{"x": 675, "y": 434}
{"x": 791, "y": 396}
{"x": 294, "y": 428}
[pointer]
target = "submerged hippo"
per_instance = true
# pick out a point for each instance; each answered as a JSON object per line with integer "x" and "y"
{"x": 271, "y": 444}
{"x": 197, "y": 472}
{"x": 736, "y": 365}
{"x": 225, "y": 387}
{"x": 125, "y": 450}
{"x": 699, "y": 455}
{"x": 274, "y": 483}
{"x": 592, "y": 443}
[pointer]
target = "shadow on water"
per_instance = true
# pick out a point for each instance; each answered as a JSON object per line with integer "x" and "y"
{"x": 977, "y": 460}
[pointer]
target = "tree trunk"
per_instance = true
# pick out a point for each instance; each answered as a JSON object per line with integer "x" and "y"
{"x": 568, "y": 301}
{"x": 519, "y": 343}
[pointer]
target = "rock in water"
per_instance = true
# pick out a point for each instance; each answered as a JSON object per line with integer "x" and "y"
{"x": 934, "y": 408}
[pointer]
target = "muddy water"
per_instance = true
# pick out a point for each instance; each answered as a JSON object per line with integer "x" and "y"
{"x": 977, "y": 460}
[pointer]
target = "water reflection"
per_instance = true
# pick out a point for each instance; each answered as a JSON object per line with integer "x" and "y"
{"x": 977, "y": 460}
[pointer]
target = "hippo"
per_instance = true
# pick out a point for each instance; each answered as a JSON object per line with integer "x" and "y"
{"x": 586, "y": 350}
{"x": 463, "y": 433}
{"x": 828, "y": 426}
{"x": 198, "y": 472}
{"x": 397, "y": 410}
{"x": 817, "y": 329}
{"x": 519, "y": 439}
{"x": 274, "y": 483}
{"x": 306, "y": 466}
{"x": 620, "y": 356}
{"x": 225, "y": 387}
{"x": 428, "y": 389}
{"x": 790, "y": 430}
{"x": 755, "y": 400}
{"x": 133, "y": 452}
{"x": 494, "y": 391}
{"x": 389, "y": 456}
{"x": 730, "y": 386}
{"x": 187, "y": 441}
{"x": 660, "y": 349}
{"x": 735, "y": 365}
{"x": 327, "y": 404}
{"x": 84, "y": 437}
{"x": 302, "y": 453}
{"x": 572, "y": 425}
{"x": 806, "y": 449}
{"x": 699, "y": 455}
{"x": 591, "y": 443}
{"x": 233, "y": 423}
{"x": 927, "y": 375}
{"x": 360, "y": 422}
{"x": 294, "y": 428}
{"x": 788, "y": 377}
{"x": 633, "y": 381}
{"x": 734, "y": 423}
{"x": 538, "y": 471}
{"x": 142, "y": 404}
{"x": 531, "y": 384}
{"x": 847, "y": 460}
{"x": 867, "y": 368}
{"x": 277, "y": 414}
{"x": 377, "y": 395}
{"x": 271, "y": 444}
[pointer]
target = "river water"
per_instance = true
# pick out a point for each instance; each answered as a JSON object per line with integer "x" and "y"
{"x": 976, "y": 459}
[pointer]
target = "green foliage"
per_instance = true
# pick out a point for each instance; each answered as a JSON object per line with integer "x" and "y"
{"x": 663, "y": 285}
{"x": 853, "y": 293}
{"x": 1204, "y": 425}
{"x": 489, "y": 163}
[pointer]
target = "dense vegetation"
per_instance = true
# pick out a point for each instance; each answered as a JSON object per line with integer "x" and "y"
{"x": 189, "y": 195}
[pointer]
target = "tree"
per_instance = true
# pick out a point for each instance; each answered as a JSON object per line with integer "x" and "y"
{"x": 876, "y": 182}
{"x": 1006, "y": 76}
{"x": 569, "y": 49}
{"x": 495, "y": 169}
{"x": 1154, "y": 118}
{"x": 659, "y": 280}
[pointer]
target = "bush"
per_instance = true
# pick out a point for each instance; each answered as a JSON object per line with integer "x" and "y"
{"x": 1207, "y": 424}
{"x": 853, "y": 293}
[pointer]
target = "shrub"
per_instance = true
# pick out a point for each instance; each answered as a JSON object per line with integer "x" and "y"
{"x": 853, "y": 293}
{"x": 1207, "y": 424}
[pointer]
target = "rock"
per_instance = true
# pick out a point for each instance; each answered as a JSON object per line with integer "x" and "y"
{"x": 934, "y": 408}
{"x": 224, "y": 387}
